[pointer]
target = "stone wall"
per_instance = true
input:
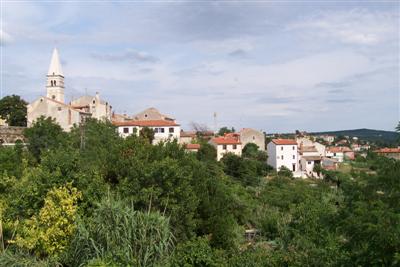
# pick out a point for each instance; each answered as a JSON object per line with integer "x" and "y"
{"x": 11, "y": 134}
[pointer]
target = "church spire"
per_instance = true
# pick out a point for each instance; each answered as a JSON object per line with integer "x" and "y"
{"x": 55, "y": 65}
{"x": 55, "y": 79}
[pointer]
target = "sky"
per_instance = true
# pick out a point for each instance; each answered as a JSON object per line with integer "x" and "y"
{"x": 275, "y": 66}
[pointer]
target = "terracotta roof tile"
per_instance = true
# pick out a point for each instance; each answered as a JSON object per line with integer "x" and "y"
{"x": 284, "y": 142}
{"x": 223, "y": 140}
{"x": 145, "y": 123}
{"x": 192, "y": 146}
{"x": 388, "y": 150}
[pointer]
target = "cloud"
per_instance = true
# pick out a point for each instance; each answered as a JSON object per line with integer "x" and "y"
{"x": 354, "y": 26}
{"x": 5, "y": 38}
{"x": 238, "y": 53}
{"x": 128, "y": 56}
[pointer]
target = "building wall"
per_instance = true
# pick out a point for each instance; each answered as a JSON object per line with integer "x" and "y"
{"x": 252, "y": 136}
{"x": 63, "y": 114}
{"x": 221, "y": 151}
{"x": 282, "y": 155}
{"x": 337, "y": 155}
{"x": 307, "y": 166}
{"x": 158, "y": 136}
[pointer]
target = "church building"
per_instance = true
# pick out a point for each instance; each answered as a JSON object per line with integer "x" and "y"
{"x": 53, "y": 104}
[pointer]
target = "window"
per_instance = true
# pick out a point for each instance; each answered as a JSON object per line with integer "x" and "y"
{"x": 55, "y": 83}
{"x": 334, "y": 154}
{"x": 223, "y": 146}
{"x": 234, "y": 146}
{"x": 94, "y": 101}
{"x": 171, "y": 129}
{"x": 281, "y": 147}
{"x": 254, "y": 138}
{"x": 161, "y": 130}
{"x": 282, "y": 157}
{"x": 294, "y": 157}
{"x": 126, "y": 130}
{"x": 293, "y": 148}
{"x": 145, "y": 115}
{"x": 155, "y": 130}
{"x": 59, "y": 108}
{"x": 51, "y": 82}
{"x": 53, "y": 97}
{"x": 309, "y": 162}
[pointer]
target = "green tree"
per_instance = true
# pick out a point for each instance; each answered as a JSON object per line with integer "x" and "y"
{"x": 206, "y": 152}
{"x": 225, "y": 130}
{"x": 49, "y": 233}
{"x": 147, "y": 134}
{"x": 13, "y": 110}
{"x": 45, "y": 134}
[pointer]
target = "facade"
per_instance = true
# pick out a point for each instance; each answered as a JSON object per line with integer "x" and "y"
{"x": 248, "y": 135}
{"x": 226, "y": 144}
{"x": 327, "y": 138}
{"x": 192, "y": 147}
{"x": 340, "y": 153}
{"x": 393, "y": 153}
{"x": 53, "y": 104}
{"x": 99, "y": 109}
{"x": 307, "y": 164}
{"x": 306, "y": 142}
{"x": 163, "y": 130}
{"x": 9, "y": 135}
{"x": 283, "y": 152}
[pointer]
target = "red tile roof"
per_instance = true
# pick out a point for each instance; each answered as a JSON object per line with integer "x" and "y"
{"x": 284, "y": 142}
{"x": 192, "y": 146}
{"x": 336, "y": 149}
{"x": 388, "y": 150}
{"x": 224, "y": 140}
{"x": 145, "y": 123}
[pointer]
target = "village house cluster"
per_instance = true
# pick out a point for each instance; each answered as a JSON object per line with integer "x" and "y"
{"x": 300, "y": 155}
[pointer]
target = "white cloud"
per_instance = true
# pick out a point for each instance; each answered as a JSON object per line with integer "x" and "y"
{"x": 5, "y": 38}
{"x": 355, "y": 26}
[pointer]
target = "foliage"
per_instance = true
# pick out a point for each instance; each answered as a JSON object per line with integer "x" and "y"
{"x": 49, "y": 233}
{"x": 285, "y": 172}
{"x": 196, "y": 252}
{"x": 45, "y": 134}
{"x": 123, "y": 236}
{"x": 206, "y": 152}
{"x": 13, "y": 110}
{"x": 224, "y": 130}
{"x": 251, "y": 151}
{"x": 147, "y": 134}
{"x": 157, "y": 205}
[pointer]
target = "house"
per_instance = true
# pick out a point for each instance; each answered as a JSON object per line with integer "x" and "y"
{"x": 393, "y": 153}
{"x": 53, "y": 104}
{"x": 152, "y": 114}
{"x": 340, "y": 153}
{"x": 192, "y": 147}
{"x": 306, "y": 142}
{"x": 98, "y": 108}
{"x": 329, "y": 163}
{"x": 120, "y": 117}
{"x": 327, "y": 138}
{"x": 164, "y": 130}
{"x": 283, "y": 152}
{"x": 192, "y": 136}
{"x": 307, "y": 164}
{"x": 248, "y": 135}
{"x": 228, "y": 143}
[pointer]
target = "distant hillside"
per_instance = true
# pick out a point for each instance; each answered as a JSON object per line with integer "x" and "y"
{"x": 367, "y": 134}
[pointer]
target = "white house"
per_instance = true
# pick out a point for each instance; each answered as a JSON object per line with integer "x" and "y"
{"x": 163, "y": 130}
{"x": 307, "y": 164}
{"x": 226, "y": 144}
{"x": 306, "y": 142}
{"x": 340, "y": 153}
{"x": 283, "y": 152}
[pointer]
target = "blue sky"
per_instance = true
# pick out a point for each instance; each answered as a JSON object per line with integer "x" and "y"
{"x": 270, "y": 65}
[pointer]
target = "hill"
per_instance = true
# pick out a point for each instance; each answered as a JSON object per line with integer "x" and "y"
{"x": 377, "y": 136}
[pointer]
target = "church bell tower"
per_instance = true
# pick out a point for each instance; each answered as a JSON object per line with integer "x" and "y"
{"x": 55, "y": 79}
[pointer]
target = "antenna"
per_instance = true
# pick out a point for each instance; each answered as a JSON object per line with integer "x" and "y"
{"x": 215, "y": 122}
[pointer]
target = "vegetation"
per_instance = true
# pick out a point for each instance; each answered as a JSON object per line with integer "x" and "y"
{"x": 224, "y": 130}
{"x": 13, "y": 110}
{"x": 92, "y": 198}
